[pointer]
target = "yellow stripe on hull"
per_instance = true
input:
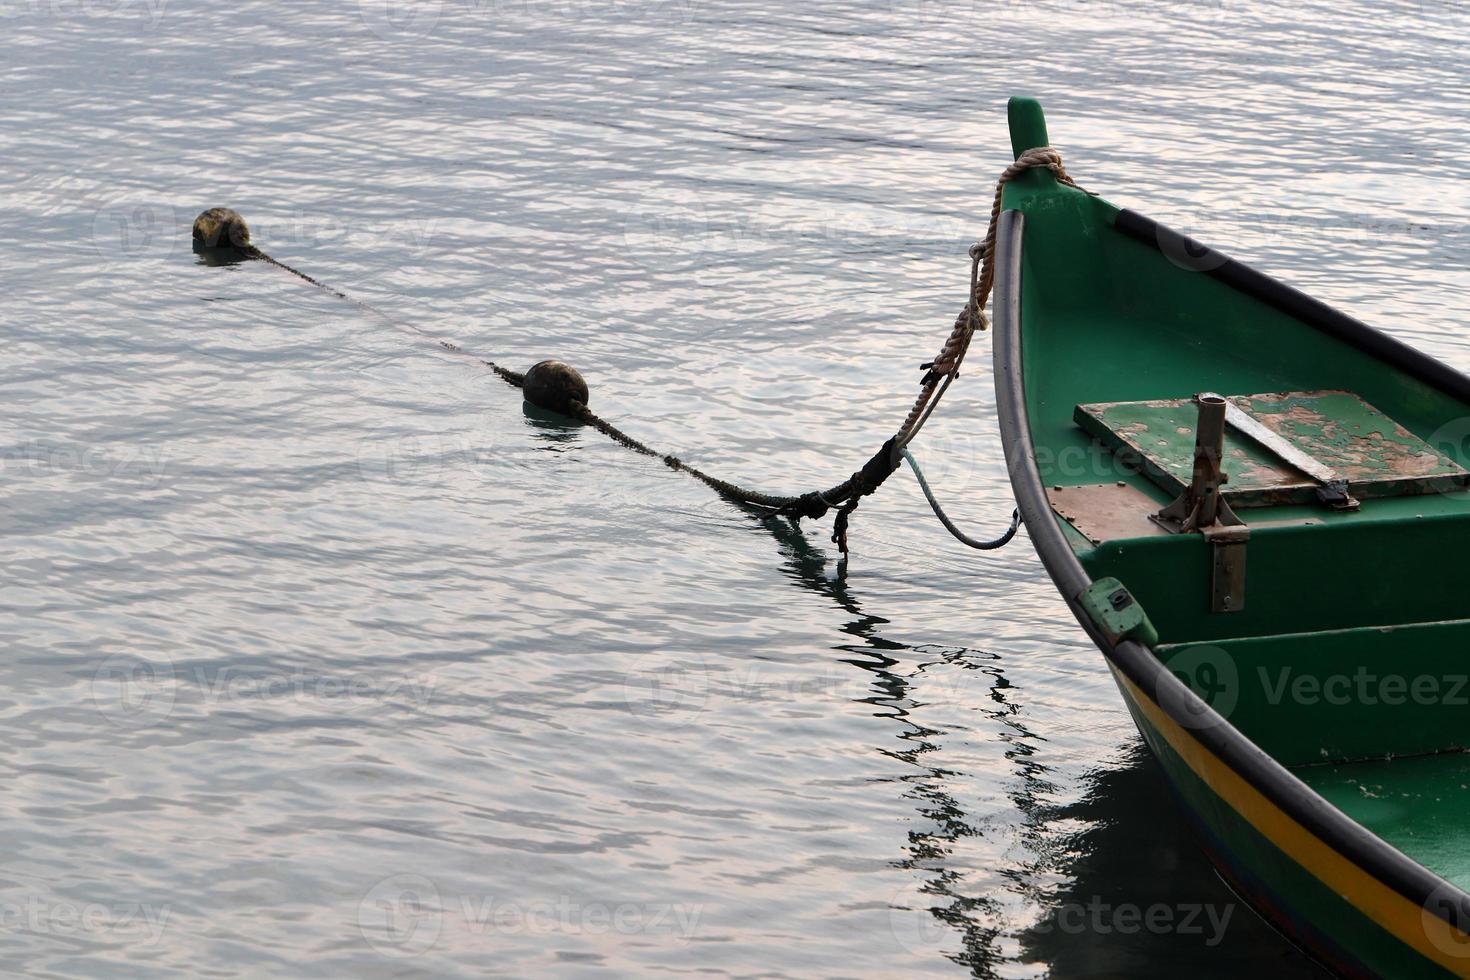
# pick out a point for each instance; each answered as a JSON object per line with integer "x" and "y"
{"x": 1413, "y": 925}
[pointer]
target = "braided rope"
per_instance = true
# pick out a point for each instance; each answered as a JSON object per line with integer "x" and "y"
{"x": 982, "y": 278}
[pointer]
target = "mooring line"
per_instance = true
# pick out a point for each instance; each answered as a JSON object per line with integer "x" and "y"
{"x": 559, "y": 387}
{"x": 222, "y": 228}
{"x": 515, "y": 378}
{"x": 578, "y": 409}
{"x": 949, "y": 525}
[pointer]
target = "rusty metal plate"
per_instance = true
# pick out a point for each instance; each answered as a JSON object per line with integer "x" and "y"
{"x": 1377, "y": 456}
{"x": 1106, "y": 511}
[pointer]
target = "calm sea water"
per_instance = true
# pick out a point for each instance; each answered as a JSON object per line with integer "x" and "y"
{"x": 323, "y": 658}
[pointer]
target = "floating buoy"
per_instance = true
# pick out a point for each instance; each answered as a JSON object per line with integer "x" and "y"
{"x": 221, "y": 228}
{"x": 222, "y": 237}
{"x": 554, "y": 386}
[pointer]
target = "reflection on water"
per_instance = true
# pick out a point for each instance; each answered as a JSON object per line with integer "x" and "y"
{"x": 1117, "y": 887}
{"x": 552, "y": 427}
{"x": 219, "y": 256}
{"x": 1138, "y": 898}
{"x": 324, "y": 657}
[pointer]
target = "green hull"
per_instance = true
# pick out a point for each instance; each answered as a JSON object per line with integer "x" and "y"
{"x": 1275, "y": 653}
{"x": 1330, "y": 927}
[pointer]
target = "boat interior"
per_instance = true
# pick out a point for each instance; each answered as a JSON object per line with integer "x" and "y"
{"x": 1313, "y": 591}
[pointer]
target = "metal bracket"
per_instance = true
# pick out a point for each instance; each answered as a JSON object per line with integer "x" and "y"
{"x": 1227, "y": 566}
{"x": 1332, "y": 489}
{"x": 1334, "y": 493}
{"x": 1201, "y": 508}
{"x": 1112, "y": 607}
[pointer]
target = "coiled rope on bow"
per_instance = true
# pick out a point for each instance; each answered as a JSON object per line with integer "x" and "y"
{"x": 939, "y": 374}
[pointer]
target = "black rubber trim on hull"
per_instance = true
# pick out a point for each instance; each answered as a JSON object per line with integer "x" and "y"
{"x": 1189, "y": 254}
{"x": 1354, "y": 842}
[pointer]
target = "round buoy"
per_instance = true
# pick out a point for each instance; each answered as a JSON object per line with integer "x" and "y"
{"x": 554, "y": 386}
{"x": 221, "y": 228}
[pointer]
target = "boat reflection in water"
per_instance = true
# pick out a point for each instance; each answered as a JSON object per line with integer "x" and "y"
{"x": 1141, "y": 900}
{"x": 1112, "y": 885}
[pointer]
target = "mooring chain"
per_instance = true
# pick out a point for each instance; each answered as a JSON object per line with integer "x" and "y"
{"x": 223, "y": 229}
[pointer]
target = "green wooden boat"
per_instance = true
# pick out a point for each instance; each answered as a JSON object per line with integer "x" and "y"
{"x": 1253, "y": 504}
